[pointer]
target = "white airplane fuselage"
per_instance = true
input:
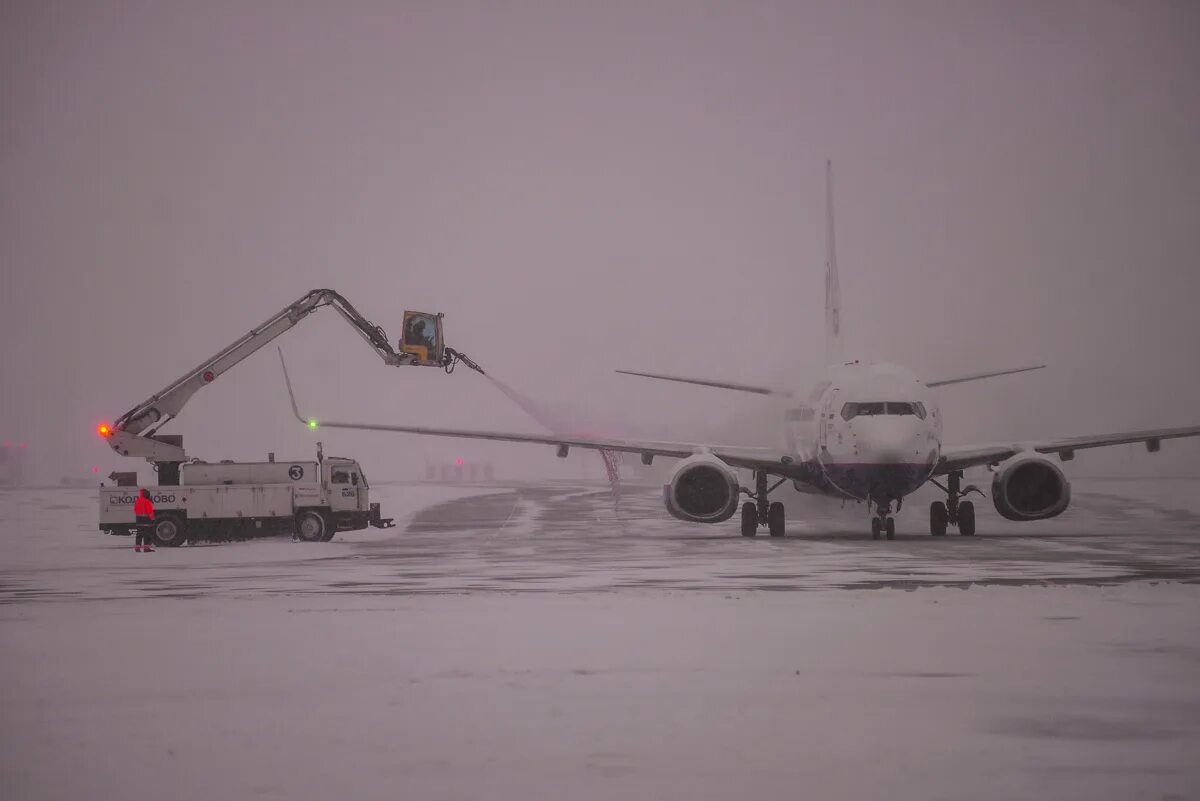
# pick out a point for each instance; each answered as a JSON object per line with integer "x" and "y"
{"x": 874, "y": 430}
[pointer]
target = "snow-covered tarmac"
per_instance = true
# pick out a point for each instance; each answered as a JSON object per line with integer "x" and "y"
{"x": 528, "y": 642}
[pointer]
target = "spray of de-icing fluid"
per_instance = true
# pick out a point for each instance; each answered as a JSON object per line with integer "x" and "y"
{"x": 553, "y": 422}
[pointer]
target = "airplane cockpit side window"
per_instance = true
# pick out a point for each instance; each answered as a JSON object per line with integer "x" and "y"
{"x": 914, "y": 408}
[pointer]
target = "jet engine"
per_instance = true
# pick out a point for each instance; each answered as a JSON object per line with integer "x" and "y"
{"x": 1030, "y": 488}
{"x": 702, "y": 489}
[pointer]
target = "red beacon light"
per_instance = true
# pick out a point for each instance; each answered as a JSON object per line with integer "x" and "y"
{"x": 103, "y": 429}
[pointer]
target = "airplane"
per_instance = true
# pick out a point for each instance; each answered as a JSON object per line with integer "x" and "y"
{"x": 867, "y": 432}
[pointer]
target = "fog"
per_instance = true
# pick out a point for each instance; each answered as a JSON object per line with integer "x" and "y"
{"x": 584, "y": 187}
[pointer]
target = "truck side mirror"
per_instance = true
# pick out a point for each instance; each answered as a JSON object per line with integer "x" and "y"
{"x": 422, "y": 337}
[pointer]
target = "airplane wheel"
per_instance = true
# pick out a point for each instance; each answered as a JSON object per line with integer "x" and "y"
{"x": 966, "y": 519}
{"x": 890, "y": 528}
{"x": 749, "y": 519}
{"x": 875, "y": 528}
{"x": 775, "y": 519}
{"x": 938, "y": 519}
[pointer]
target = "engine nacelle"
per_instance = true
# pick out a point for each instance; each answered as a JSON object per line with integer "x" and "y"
{"x": 1030, "y": 488}
{"x": 702, "y": 489}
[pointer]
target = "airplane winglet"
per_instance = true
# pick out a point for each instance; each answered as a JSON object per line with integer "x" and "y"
{"x": 291, "y": 394}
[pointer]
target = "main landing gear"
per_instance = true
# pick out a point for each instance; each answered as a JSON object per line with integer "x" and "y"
{"x": 760, "y": 512}
{"x": 953, "y": 512}
{"x": 883, "y": 522}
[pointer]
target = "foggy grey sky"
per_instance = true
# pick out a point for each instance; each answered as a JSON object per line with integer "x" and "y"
{"x": 582, "y": 187}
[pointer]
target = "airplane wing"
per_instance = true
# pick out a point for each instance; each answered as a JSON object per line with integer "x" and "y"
{"x": 961, "y": 458}
{"x": 962, "y": 379}
{"x": 783, "y": 393}
{"x": 776, "y": 462}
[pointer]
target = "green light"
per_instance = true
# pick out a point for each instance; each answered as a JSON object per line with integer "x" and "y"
{"x": 312, "y": 423}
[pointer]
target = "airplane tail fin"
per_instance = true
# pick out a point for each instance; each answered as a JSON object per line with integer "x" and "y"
{"x": 833, "y": 296}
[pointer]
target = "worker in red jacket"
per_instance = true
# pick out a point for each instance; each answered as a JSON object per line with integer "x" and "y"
{"x": 143, "y": 513}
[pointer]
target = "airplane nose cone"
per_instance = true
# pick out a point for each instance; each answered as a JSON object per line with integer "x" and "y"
{"x": 889, "y": 441}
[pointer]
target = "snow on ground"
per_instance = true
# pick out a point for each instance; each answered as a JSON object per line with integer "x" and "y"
{"x": 988, "y": 693}
{"x": 52, "y": 549}
{"x": 517, "y": 643}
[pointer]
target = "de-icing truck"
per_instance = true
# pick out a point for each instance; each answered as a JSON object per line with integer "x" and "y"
{"x": 312, "y": 499}
{"x": 236, "y": 500}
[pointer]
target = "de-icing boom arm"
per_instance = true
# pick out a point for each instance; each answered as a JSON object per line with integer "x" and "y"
{"x": 132, "y": 434}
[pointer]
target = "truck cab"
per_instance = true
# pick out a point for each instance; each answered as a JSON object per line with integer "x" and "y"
{"x": 347, "y": 491}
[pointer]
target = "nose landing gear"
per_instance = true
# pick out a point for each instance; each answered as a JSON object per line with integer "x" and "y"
{"x": 883, "y": 522}
{"x": 954, "y": 512}
{"x": 760, "y": 512}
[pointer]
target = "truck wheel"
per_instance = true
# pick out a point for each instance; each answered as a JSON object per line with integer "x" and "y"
{"x": 311, "y": 526}
{"x": 330, "y": 528}
{"x": 169, "y": 532}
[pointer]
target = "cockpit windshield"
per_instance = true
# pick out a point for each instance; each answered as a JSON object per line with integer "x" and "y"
{"x": 873, "y": 408}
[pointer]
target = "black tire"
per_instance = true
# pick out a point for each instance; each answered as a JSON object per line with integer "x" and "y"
{"x": 938, "y": 519}
{"x": 776, "y": 518}
{"x": 330, "y": 528}
{"x": 311, "y": 526}
{"x": 875, "y": 528}
{"x": 890, "y": 528}
{"x": 966, "y": 519}
{"x": 168, "y": 531}
{"x": 749, "y": 519}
